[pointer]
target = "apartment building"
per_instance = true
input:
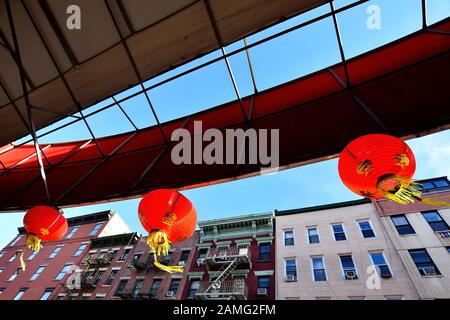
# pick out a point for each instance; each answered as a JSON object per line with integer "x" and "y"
{"x": 48, "y": 269}
{"x": 234, "y": 259}
{"x": 337, "y": 251}
{"x": 142, "y": 280}
{"x": 420, "y": 234}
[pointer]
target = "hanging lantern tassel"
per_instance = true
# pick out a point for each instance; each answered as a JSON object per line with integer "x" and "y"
{"x": 32, "y": 242}
{"x": 160, "y": 245}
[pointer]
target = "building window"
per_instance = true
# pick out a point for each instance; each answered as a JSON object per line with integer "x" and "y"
{"x": 1, "y": 270}
{"x": 14, "y": 275}
{"x": 63, "y": 271}
{"x": 184, "y": 256}
{"x": 96, "y": 228}
{"x": 382, "y": 267}
{"x": 72, "y": 232}
{"x": 155, "y": 287}
{"x": 2, "y": 254}
{"x": 402, "y": 225}
{"x": 423, "y": 262}
{"x": 195, "y": 284}
{"x": 32, "y": 255}
{"x": 313, "y": 235}
{"x": 448, "y": 249}
{"x": 264, "y": 283}
{"x": 167, "y": 259}
{"x": 202, "y": 252}
{"x": 121, "y": 287}
{"x": 366, "y": 229}
{"x": 20, "y": 294}
{"x": 138, "y": 286}
{"x": 291, "y": 269}
{"x": 339, "y": 233}
{"x": 348, "y": 267}
{"x": 60, "y": 297}
{"x": 289, "y": 237}
{"x": 318, "y": 267}
{"x": 435, "y": 183}
{"x": 46, "y": 294}
{"x": 111, "y": 277}
{"x": 16, "y": 240}
{"x": 38, "y": 272}
{"x": 124, "y": 255}
{"x": 1, "y": 290}
{"x": 265, "y": 252}
{"x": 435, "y": 220}
{"x": 98, "y": 277}
{"x": 55, "y": 252}
{"x": 174, "y": 284}
{"x": 80, "y": 250}
{"x": 100, "y": 296}
{"x": 15, "y": 255}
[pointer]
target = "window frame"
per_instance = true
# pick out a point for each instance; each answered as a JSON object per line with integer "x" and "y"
{"x": 434, "y": 222}
{"x": 296, "y": 267}
{"x": 430, "y": 262}
{"x": 343, "y": 231}
{"x": 343, "y": 270}
{"x": 371, "y": 228}
{"x": 292, "y": 238}
{"x": 385, "y": 261}
{"x": 62, "y": 272}
{"x": 111, "y": 277}
{"x": 38, "y": 272}
{"x": 72, "y": 232}
{"x": 82, "y": 250}
{"x": 308, "y": 237}
{"x": 313, "y": 269}
{"x": 47, "y": 290}
{"x": 190, "y": 290}
{"x": 55, "y": 251}
{"x": 403, "y": 225}
{"x": 21, "y": 292}
{"x": 269, "y": 253}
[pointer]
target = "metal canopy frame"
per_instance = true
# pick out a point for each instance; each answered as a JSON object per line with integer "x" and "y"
{"x": 345, "y": 83}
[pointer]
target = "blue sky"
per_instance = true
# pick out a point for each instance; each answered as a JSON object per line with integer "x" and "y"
{"x": 282, "y": 59}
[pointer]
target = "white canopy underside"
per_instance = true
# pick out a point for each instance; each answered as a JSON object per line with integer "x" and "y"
{"x": 94, "y": 61}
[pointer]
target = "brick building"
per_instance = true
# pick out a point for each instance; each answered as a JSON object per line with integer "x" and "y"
{"x": 47, "y": 269}
{"x": 234, "y": 259}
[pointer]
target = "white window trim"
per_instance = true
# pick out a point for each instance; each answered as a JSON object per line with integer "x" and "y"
{"x": 43, "y": 266}
{"x": 371, "y": 227}
{"x": 343, "y": 228}
{"x": 284, "y": 237}
{"x": 296, "y": 267}
{"x": 342, "y": 267}
{"x": 385, "y": 260}
{"x": 307, "y": 234}
{"x": 312, "y": 268}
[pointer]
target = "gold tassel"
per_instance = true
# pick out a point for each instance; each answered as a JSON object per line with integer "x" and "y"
{"x": 160, "y": 244}
{"x": 22, "y": 263}
{"x": 433, "y": 202}
{"x": 405, "y": 191}
{"x": 33, "y": 242}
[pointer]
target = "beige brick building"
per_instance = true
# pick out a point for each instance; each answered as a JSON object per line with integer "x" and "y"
{"x": 324, "y": 253}
{"x": 421, "y": 236}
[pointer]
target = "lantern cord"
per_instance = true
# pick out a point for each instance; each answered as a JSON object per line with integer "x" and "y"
{"x": 159, "y": 244}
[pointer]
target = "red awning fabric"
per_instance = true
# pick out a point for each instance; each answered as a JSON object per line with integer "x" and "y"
{"x": 403, "y": 88}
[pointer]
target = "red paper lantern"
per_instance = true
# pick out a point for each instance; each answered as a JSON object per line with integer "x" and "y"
{"x": 169, "y": 217}
{"x": 44, "y": 223}
{"x": 379, "y": 166}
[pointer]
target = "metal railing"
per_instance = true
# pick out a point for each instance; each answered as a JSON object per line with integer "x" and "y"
{"x": 228, "y": 289}
{"x": 229, "y": 253}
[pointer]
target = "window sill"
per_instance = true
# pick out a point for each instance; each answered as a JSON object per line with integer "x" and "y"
{"x": 435, "y": 276}
{"x": 408, "y": 235}
{"x": 265, "y": 260}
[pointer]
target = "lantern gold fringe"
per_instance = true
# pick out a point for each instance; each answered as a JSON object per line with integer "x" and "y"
{"x": 159, "y": 244}
{"x": 409, "y": 191}
{"x": 33, "y": 242}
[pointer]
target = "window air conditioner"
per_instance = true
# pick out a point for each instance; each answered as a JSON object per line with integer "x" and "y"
{"x": 170, "y": 294}
{"x": 290, "y": 278}
{"x": 261, "y": 292}
{"x": 350, "y": 275}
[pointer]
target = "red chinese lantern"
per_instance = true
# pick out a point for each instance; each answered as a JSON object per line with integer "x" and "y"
{"x": 380, "y": 166}
{"x": 169, "y": 217}
{"x": 43, "y": 224}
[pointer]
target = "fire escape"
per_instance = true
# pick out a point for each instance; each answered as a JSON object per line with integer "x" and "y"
{"x": 87, "y": 278}
{"x": 220, "y": 264}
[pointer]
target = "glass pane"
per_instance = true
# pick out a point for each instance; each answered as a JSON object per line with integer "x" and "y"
{"x": 399, "y": 220}
{"x": 378, "y": 259}
{"x": 431, "y": 216}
